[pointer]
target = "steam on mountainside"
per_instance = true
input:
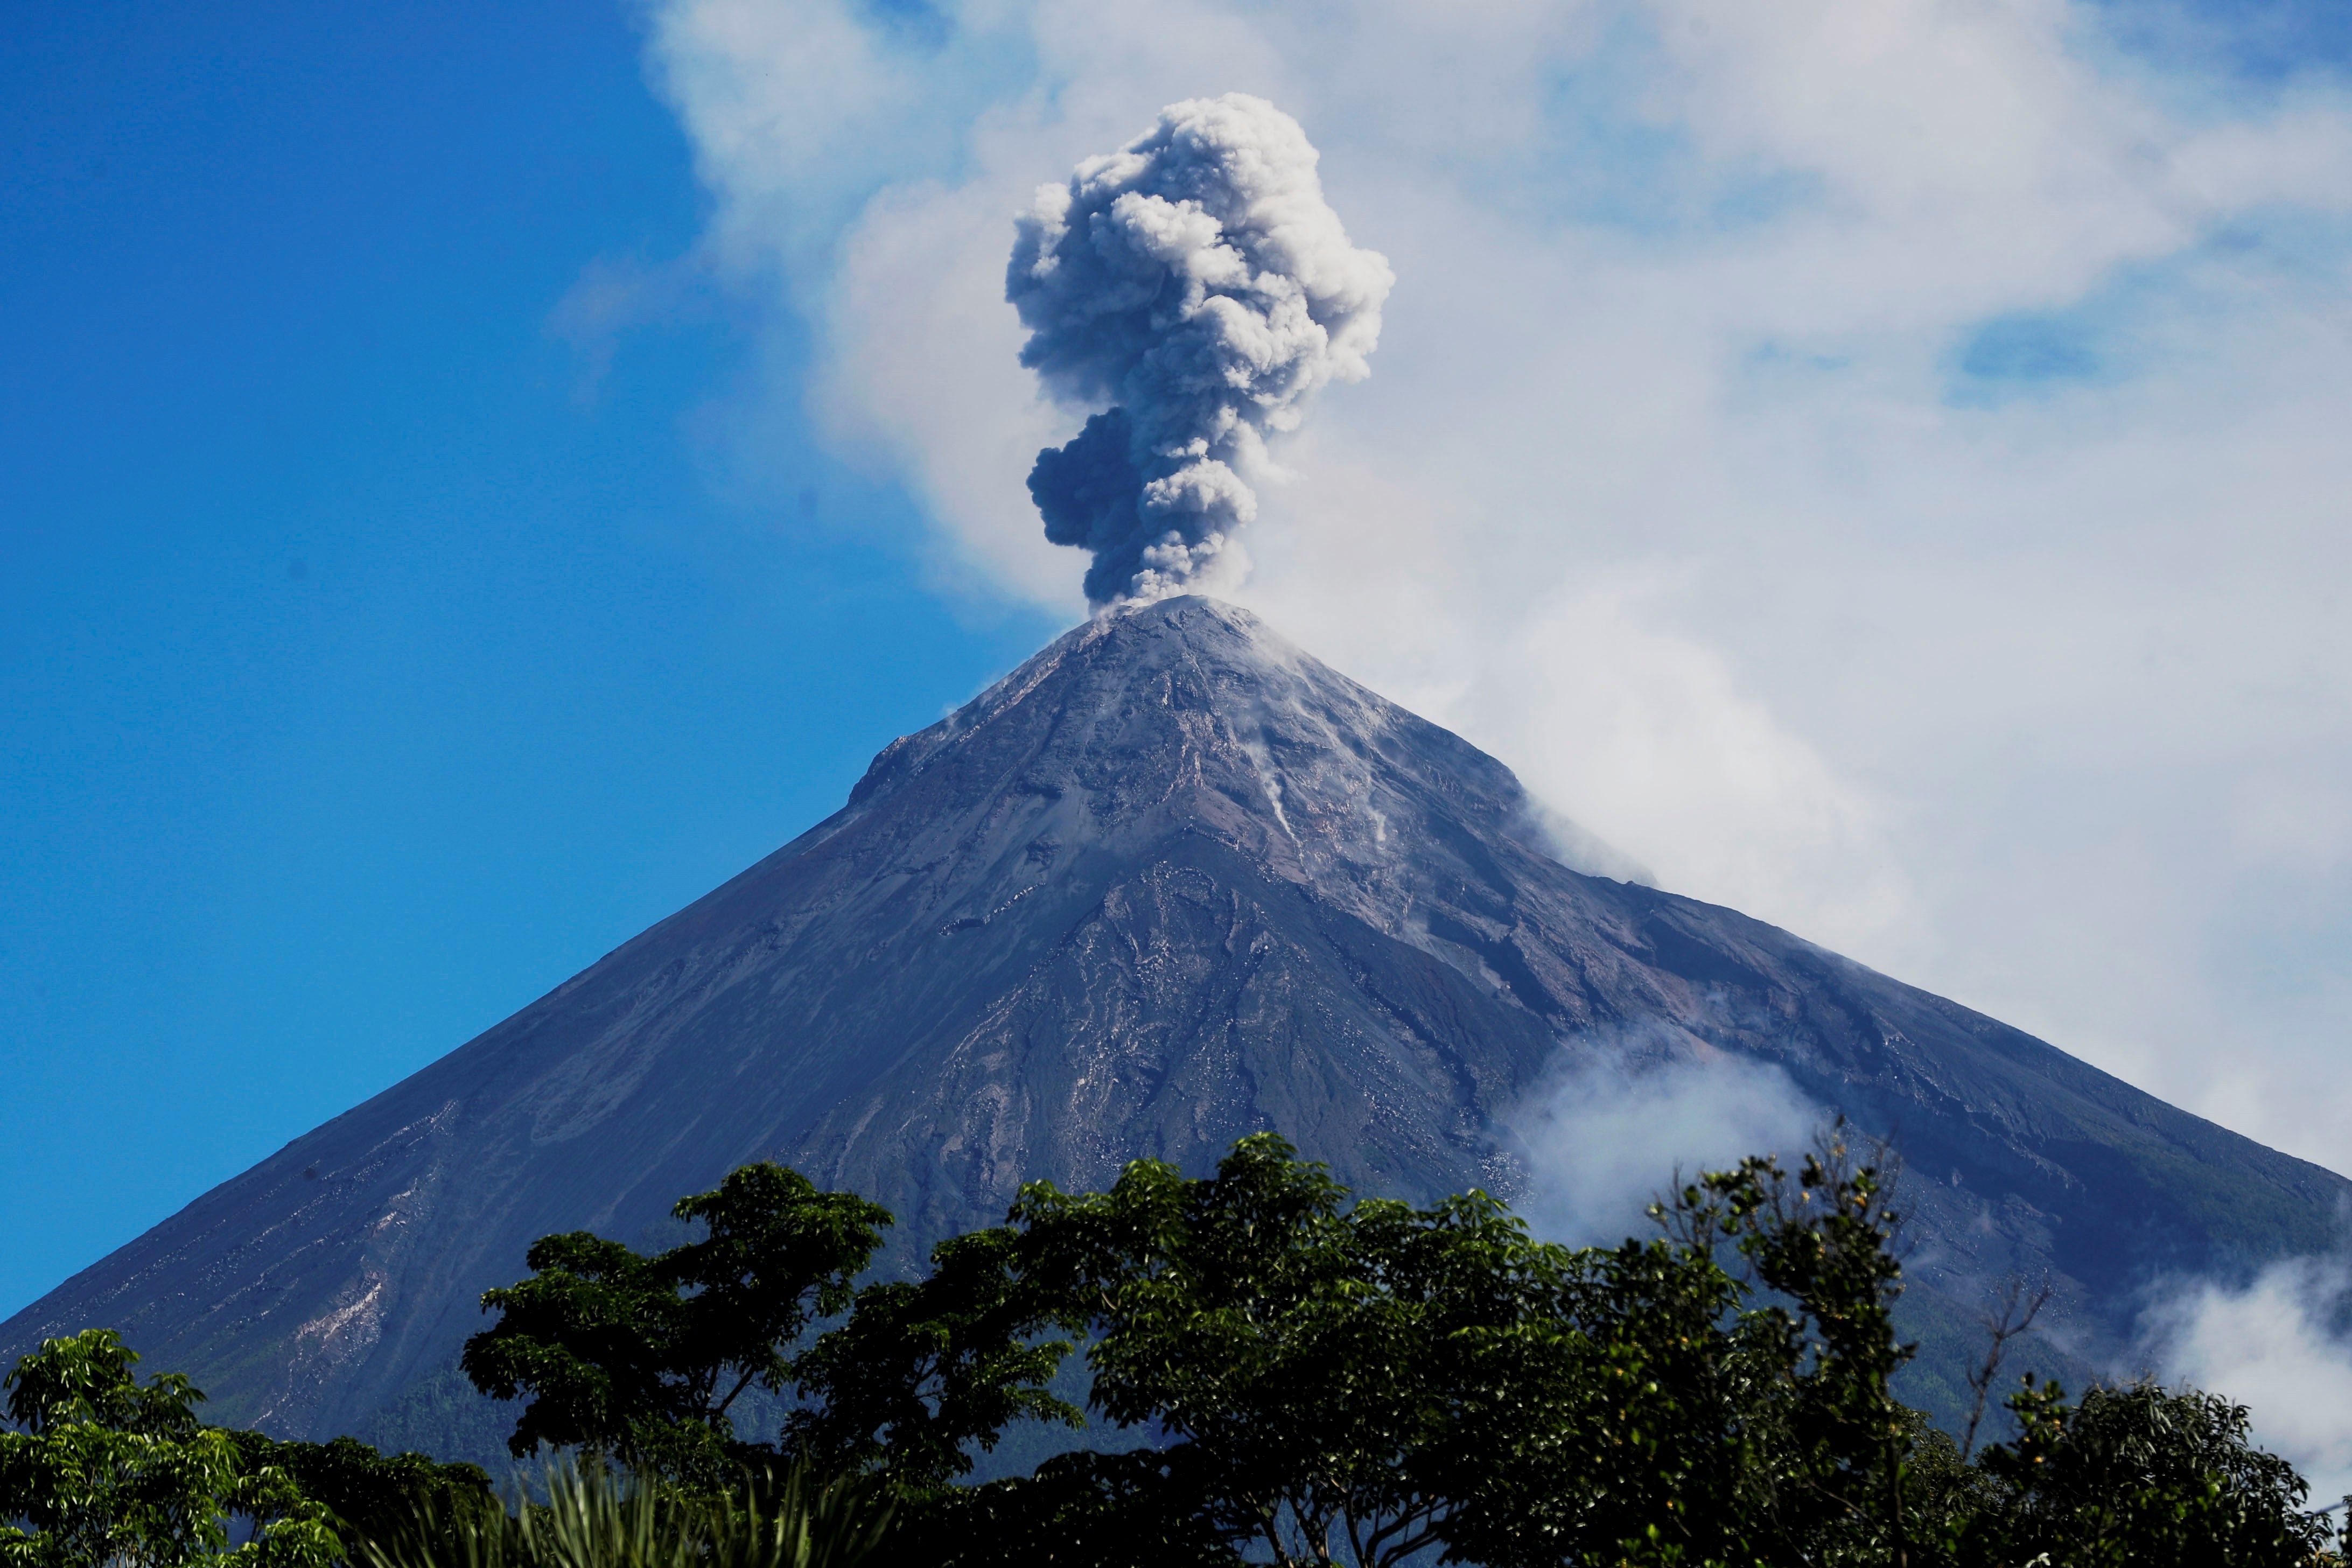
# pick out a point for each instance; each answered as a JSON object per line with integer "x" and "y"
{"x": 1168, "y": 882}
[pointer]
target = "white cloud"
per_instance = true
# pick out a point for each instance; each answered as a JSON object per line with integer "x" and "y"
{"x": 906, "y": 322}
{"x": 1878, "y": 462}
{"x": 1655, "y": 738}
{"x": 2274, "y": 1347}
{"x": 1628, "y": 1113}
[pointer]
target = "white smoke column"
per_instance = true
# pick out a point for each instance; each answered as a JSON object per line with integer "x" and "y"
{"x": 1197, "y": 281}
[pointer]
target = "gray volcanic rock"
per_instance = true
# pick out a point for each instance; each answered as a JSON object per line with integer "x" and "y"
{"x": 1169, "y": 882}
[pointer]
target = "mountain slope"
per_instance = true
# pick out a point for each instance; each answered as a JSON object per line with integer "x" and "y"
{"x": 1169, "y": 882}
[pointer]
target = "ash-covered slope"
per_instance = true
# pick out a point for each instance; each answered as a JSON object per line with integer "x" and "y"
{"x": 1169, "y": 882}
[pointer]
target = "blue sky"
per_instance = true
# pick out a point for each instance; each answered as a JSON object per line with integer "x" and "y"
{"x": 369, "y": 662}
{"x": 471, "y": 480}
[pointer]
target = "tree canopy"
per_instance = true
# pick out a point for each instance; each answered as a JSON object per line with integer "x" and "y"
{"x": 104, "y": 1472}
{"x": 644, "y": 1358}
{"x": 1251, "y": 1366}
{"x": 1289, "y": 1373}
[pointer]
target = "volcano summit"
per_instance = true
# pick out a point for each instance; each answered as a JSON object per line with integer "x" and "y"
{"x": 1169, "y": 882}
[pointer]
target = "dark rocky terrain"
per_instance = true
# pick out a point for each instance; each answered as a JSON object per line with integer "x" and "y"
{"x": 1169, "y": 882}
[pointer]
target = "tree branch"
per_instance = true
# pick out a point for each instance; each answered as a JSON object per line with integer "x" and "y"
{"x": 2019, "y": 1307}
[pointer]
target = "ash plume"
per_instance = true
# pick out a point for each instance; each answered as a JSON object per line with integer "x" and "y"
{"x": 1198, "y": 283}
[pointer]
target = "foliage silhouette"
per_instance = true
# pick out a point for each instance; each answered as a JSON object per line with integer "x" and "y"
{"x": 1320, "y": 1378}
{"x": 104, "y": 1469}
{"x": 643, "y": 1359}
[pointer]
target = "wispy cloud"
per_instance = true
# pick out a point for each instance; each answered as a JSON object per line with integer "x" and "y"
{"x": 2277, "y": 1346}
{"x": 1630, "y": 1110}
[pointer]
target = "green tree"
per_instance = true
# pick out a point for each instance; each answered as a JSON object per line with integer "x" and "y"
{"x": 1320, "y": 1378}
{"x": 924, "y": 1372}
{"x": 1328, "y": 1379}
{"x": 372, "y": 1496}
{"x": 2136, "y": 1476}
{"x": 1629, "y": 1419}
{"x": 1362, "y": 1380}
{"x": 644, "y": 1358}
{"x": 1824, "y": 1439}
{"x": 105, "y": 1471}
{"x": 1309, "y": 1356}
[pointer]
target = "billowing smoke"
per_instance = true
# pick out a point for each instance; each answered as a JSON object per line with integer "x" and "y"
{"x": 1197, "y": 281}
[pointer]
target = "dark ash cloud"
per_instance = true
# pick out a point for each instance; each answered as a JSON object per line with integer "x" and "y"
{"x": 1197, "y": 282}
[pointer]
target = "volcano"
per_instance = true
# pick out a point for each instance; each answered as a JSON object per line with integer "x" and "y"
{"x": 1169, "y": 882}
